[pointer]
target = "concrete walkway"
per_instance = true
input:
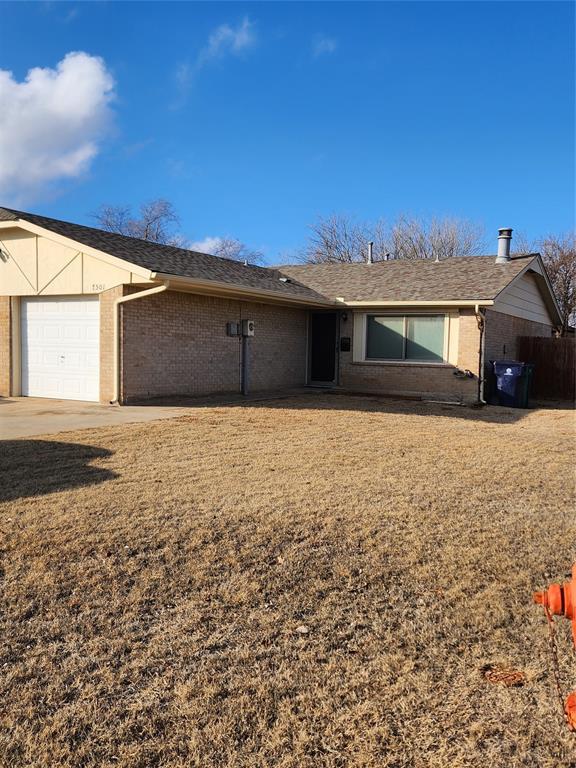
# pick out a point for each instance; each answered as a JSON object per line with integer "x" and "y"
{"x": 28, "y": 416}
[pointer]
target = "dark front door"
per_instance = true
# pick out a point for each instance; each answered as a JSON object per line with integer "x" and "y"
{"x": 323, "y": 347}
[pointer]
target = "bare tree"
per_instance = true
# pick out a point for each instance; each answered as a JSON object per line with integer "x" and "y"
{"x": 340, "y": 238}
{"x": 522, "y": 245}
{"x": 418, "y": 238}
{"x": 559, "y": 256}
{"x": 231, "y": 248}
{"x": 156, "y": 221}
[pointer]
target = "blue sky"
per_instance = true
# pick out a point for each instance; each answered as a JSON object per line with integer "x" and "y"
{"x": 256, "y": 118}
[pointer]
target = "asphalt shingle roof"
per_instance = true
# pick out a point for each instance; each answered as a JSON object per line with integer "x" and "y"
{"x": 464, "y": 278}
{"x": 169, "y": 259}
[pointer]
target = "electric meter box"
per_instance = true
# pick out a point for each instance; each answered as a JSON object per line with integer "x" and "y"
{"x": 248, "y": 327}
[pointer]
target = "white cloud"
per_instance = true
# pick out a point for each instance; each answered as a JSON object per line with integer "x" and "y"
{"x": 323, "y": 45}
{"x": 208, "y": 245}
{"x": 226, "y": 39}
{"x": 51, "y": 124}
{"x": 223, "y": 41}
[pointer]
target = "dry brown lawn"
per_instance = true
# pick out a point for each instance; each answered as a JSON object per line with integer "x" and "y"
{"x": 307, "y": 582}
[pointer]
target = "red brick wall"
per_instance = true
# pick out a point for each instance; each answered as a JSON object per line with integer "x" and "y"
{"x": 176, "y": 344}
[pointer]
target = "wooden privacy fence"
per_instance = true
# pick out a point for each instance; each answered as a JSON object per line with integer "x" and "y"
{"x": 555, "y": 361}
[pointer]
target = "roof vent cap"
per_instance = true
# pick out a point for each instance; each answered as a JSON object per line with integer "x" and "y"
{"x": 370, "y": 258}
{"x": 504, "y": 238}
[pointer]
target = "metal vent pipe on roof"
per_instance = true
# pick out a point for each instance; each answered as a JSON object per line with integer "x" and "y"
{"x": 504, "y": 238}
{"x": 370, "y": 247}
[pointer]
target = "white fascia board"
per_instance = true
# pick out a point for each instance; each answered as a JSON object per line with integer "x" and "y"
{"x": 77, "y": 245}
{"x": 219, "y": 288}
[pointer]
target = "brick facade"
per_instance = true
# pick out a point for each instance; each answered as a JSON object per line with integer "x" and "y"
{"x": 502, "y": 332}
{"x": 5, "y": 347}
{"x": 415, "y": 378}
{"x": 176, "y": 344}
{"x": 107, "y": 352}
{"x": 500, "y": 343}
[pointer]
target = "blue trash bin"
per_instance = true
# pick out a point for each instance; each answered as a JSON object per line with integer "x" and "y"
{"x": 512, "y": 382}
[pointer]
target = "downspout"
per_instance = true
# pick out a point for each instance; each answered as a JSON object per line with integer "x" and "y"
{"x": 481, "y": 320}
{"x": 117, "y": 302}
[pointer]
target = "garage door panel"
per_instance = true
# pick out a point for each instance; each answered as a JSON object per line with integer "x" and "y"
{"x": 60, "y": 348}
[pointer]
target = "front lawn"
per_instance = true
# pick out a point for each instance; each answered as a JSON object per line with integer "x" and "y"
{"x": 313, "y": 582}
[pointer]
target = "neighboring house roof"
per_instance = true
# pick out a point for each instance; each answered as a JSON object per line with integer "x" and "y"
{"x": 464, "y": 278}
{"x": 171, "y": 261}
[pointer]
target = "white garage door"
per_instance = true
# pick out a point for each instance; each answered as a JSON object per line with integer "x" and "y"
{"x": 60, "y": 348}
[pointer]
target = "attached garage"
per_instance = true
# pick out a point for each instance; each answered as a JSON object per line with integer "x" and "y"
{"x": 60, "y": 347}
{"x": 93, "y": 315}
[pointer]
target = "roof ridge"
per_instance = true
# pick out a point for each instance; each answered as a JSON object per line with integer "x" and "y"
{"x": 446, "y": 259}
{"x": 24, "y": 214}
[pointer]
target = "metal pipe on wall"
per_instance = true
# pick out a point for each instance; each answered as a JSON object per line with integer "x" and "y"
{"x": 245, "y": 364}
{"x": 481, "y": 320}
{"x": 117, "y": 303}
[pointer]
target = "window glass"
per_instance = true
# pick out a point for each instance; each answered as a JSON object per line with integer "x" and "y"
{"x": 385, "y": 338}
{"x": 425, "y": 338}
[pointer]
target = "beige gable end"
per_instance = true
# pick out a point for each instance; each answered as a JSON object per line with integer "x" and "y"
{"x": 523, "y": 298}
{"x": 34, "y": 265}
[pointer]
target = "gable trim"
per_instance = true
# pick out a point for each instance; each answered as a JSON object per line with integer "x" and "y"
{"x": 77, "y": 245}
{"x": 544, "y": 285}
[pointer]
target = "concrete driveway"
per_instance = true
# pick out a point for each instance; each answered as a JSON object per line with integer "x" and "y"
{"x": 27, "y": 416}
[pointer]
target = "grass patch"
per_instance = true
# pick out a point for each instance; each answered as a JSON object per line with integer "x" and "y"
{"x": 311, "y": 582}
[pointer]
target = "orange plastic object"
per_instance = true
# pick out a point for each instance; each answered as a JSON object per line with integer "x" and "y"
{"x": 560, "y": 599}
{"x": 571, "y": 710}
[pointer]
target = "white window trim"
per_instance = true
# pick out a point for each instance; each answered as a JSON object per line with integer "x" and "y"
{"x": 360, "y": 338}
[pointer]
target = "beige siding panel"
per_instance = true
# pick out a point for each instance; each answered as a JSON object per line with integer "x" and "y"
{"x": 99, "y": 276}
{"x": 64, "y": 281}
{"x": 21, "y": 258}
{"x": 53, "y": 259}
{"x": 523, "y": 298}
{"x": 13, "y": 281}
{"x": 34, "y": 265}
